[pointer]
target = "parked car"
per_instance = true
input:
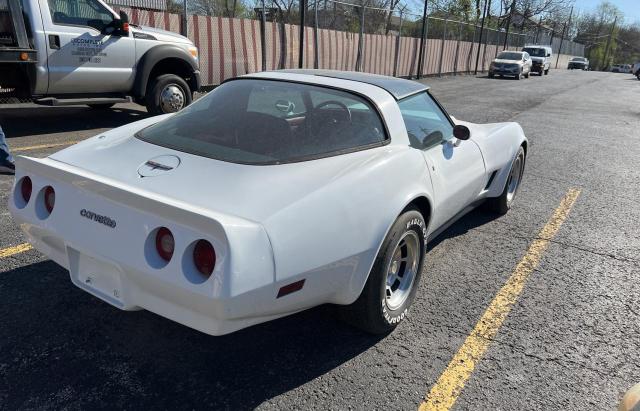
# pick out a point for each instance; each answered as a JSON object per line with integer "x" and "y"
{"x": 515, "y": 64}
{"x": 636, "y": 70}
{"x": 621, "y": 68}
{"x": 321, "y": 187}
{"x": 580, "y": 63}
{"x": 69, "y": 52}
{"x": 541, "y": 58}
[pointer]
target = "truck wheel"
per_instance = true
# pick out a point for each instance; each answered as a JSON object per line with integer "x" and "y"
{"x": 546, "y": 72}
{"x": 168, "y": 93}
{"x": 502, "y": 204}
{"x": 394, "y": 278}
{"x": 104, "y": 106}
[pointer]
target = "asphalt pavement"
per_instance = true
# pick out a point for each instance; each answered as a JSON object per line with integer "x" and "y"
{"x": 570, "y": 339}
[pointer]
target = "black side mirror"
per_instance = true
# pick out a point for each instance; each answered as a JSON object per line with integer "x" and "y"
{"x": 123, "y": 23}
{"x": 461, "y": 132}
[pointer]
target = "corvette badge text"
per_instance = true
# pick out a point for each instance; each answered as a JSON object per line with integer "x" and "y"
{"x": 102, "y": 219}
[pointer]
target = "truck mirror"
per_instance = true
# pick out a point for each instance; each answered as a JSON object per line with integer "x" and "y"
{"x": 124, "y": 23}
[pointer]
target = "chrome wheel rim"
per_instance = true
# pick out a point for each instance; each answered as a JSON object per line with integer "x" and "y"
{"x": 514, "y": 178}
{"x": 172, "y": 99}
{"x": 402, "y": 270}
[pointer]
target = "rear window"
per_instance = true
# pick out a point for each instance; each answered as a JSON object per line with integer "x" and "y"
{"x": 253, "y": 121}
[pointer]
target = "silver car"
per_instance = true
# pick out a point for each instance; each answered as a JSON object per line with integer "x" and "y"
{"x": 511, "y": 63}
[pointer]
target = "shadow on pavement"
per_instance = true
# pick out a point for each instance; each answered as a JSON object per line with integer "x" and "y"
{"x": 475, "y": 218}
{"x": 37, "y": 120}
{"x": 62, "y": 348}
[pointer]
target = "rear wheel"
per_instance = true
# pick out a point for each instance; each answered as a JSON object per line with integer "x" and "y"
{"x": 168, "y": 93}
{"x": 502, "y": 204}
{"x": 394, "y": 278}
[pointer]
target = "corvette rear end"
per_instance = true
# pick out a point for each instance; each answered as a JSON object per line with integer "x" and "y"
{"x": 275, "y": 193}
{"x": 137, "y": 249}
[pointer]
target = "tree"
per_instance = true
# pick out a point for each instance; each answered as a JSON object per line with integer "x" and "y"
{"x": 224, "y": 8}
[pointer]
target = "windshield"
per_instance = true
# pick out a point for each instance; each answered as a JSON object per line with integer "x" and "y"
{"x": 510, "y": 55}
{"x": 579, "y": 59}
{"x": 536, "y": 52}
{"x": 252, "y": 121}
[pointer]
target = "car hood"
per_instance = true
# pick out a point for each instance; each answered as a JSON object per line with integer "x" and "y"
{"x": 159, "y": 34}
{"x": 504, "y": 61}
{"x": 251, "y": 192}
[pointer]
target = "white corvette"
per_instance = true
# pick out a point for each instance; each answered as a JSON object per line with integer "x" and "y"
{"x": 276, "y": 192}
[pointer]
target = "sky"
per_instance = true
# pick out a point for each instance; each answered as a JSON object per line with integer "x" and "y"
{"x": 630, "y": 8}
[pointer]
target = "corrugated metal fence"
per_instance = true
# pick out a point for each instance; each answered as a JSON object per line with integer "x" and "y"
{"x": 232, "y": 46}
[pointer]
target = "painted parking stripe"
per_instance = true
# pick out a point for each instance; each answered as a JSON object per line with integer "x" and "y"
{"x": 43, "y": 146}
{"x": 20, "y": 248}
{"x": 450, "y": 384}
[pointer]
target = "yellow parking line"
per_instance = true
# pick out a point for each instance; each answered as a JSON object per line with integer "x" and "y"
{"x": 20, "y": 248}
{"x": 450, "y": 384}
{"x": 41, "y": 146}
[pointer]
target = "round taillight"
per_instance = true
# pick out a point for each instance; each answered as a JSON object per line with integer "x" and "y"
{"x": 49, "y": 198}
{"x": 165, "y": 243}
{"x": 204, "y": 257}
{"x": 25, "y": 189}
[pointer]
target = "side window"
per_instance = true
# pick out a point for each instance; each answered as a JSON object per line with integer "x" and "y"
{"x": 427, "y": 126}
{"x": 275, "y": 100}
{"x": 88, "y": 13}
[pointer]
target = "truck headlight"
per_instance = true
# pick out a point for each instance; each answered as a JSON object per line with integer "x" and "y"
{"x": 194, "y": 52}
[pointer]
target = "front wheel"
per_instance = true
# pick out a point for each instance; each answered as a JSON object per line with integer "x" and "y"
{"x": 168, "y": 93}
{"x": 502, "y": 204}
{"x": 546, "y": 72}
{"x": 394, "y": 278}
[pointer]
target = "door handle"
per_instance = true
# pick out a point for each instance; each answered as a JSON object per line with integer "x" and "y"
{"x": 54, "y": 41}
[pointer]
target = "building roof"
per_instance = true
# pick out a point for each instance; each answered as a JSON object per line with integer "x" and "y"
{"x": 397, "y": 87}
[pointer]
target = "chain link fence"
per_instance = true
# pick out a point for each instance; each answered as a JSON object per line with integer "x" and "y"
{"x": 335, "y": 34}
{"x": 340, "y": 35}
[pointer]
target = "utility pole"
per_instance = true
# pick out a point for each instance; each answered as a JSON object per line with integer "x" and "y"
{"x": 606, "y": 50}
{"x": 564, "y": 29}
{"x": 484, "y": 13}
{"x": 484, "y": 53}
{"x": 506, "y": 35}
{"x": 303, "y": 12}
{"x": 422, "y": 39}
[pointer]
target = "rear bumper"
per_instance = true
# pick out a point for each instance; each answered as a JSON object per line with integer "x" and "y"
{"x": 130, "y": 289}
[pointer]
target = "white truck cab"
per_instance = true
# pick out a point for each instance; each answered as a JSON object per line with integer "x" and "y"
{"x": 541, "y": 57}
{"x": 86, "y": 53}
